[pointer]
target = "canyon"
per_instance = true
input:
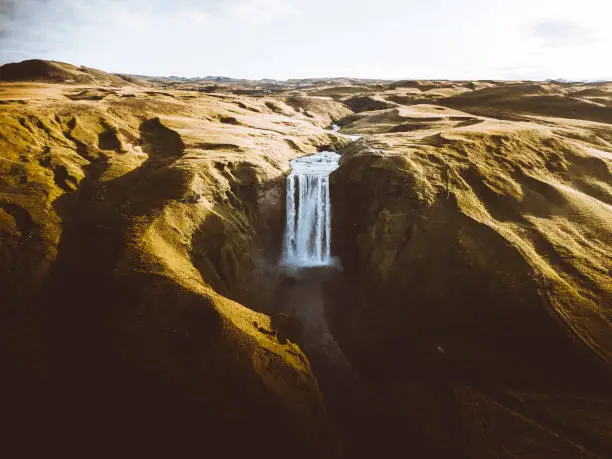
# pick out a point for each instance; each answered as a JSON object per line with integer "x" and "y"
{"x": 327, "y": 268}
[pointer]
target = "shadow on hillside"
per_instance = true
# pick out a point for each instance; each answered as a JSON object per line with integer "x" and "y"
{"x": 131, "y": 357}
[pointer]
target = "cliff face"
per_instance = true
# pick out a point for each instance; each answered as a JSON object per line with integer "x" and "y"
{"x": 502, "y": 231}
{"x": 141, "y": 224}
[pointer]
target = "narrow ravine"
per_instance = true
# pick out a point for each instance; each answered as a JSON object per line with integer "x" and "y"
{"x": 308, "y": 265}
{"x": 306, "y": 256}
{"x": 365, "y": 425}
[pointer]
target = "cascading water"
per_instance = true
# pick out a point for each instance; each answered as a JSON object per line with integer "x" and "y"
{"x": 308, "y": 230}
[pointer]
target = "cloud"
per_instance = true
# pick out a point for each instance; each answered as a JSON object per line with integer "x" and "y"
{"x": 7, "y": 7}
{"x": 282, "y": 38}
{"x": 561, "y": 33}
{"x": 261, "y": 11}
{"x": 48, "y": 27}
{"x": 45, "y": 28}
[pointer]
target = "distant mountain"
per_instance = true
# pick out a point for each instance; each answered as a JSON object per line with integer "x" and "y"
{"x": 51, "y": 71}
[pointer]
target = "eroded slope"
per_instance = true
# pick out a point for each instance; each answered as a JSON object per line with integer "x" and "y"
{"x": 477, "y": 253}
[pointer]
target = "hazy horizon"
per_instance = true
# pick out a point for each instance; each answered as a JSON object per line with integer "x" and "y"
{"x": 285, "y": 39}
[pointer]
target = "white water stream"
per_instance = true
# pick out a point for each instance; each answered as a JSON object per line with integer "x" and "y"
{"x": 307, "y": 239}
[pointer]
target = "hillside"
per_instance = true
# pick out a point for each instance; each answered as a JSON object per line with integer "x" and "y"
{"x": 141, "y": 232}
{"x": 59, "y": 72}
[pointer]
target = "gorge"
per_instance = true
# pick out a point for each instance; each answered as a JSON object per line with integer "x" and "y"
{"x": 188, "y": 266}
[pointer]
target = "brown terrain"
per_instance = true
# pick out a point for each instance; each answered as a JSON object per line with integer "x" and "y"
{"x": 143, "y": 310}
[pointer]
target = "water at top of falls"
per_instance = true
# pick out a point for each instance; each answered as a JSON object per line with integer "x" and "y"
{"x": 336, "y": 128}
{"x": 322, "y": 163}
{"x": 307, "y": 239}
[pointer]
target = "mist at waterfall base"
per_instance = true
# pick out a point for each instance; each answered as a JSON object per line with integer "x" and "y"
{"x": 307, "y": 240}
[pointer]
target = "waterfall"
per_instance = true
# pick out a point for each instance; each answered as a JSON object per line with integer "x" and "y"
{"x": 307, "y": 239}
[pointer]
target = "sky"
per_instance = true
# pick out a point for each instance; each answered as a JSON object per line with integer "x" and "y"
{"x": 388, "y": 39}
